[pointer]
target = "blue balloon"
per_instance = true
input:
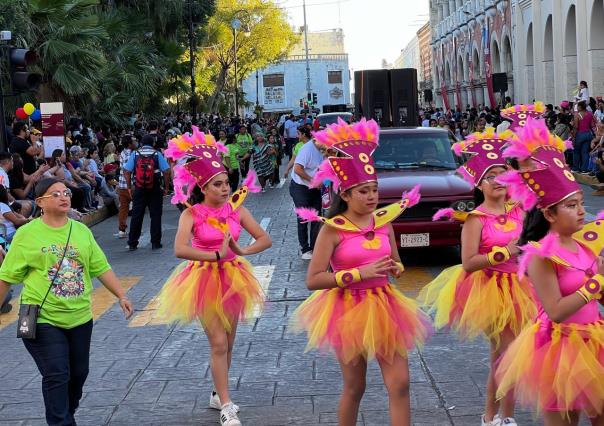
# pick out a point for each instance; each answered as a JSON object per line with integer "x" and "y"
{"x": 36, "y": 115}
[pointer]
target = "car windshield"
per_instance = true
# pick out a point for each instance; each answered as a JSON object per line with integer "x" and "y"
{"x": 330, "y": 119}
{"x": 409, "y": 151}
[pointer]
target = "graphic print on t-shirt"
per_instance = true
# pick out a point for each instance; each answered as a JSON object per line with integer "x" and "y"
{"x": 70, "y": 280}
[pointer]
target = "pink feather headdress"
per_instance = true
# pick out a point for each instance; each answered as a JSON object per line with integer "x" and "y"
{"x": 546, "y": 180}
{"x": 356, "y": 143}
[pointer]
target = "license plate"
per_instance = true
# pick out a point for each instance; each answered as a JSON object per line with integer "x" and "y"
{"x": 415, "y": 240}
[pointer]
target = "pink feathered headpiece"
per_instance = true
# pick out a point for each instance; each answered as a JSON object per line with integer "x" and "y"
{"x": 204, "y": 150}
{"x": 547, "y": 180}
{"x": 356, "y": 142}
{"x": 484, "y": 150}
{"x": 519, "y": 114}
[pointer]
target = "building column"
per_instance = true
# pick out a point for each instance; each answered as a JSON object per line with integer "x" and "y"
{"x": 538, "y": 74}
{"x": 558, "y": 24}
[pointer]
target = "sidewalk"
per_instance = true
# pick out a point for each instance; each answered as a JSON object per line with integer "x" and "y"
{"x": 143, "y": 372}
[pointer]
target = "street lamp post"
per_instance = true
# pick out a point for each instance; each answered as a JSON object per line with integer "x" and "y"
{"x": 192, "y": 60}
{"x": 236, "y": 25}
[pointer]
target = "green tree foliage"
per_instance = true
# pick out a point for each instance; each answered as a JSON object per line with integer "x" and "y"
{"x": 265, "y": 37}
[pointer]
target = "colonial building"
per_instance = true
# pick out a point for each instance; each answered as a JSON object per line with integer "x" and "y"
{"x": 424, "y": 72}
{"x": 471, "y": 40}
{"x": 281, "y": 86}
{"x": 557, "y": 44}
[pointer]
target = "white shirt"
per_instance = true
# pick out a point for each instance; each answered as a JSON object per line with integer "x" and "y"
{"x": 291, "y": 129}
{"x": 426, "y": 123}
{"x": 599, "y": 115}
{"x": 10, "y": 227}
{"x": 309, "y": 158}
{"x": 4, "y": 181}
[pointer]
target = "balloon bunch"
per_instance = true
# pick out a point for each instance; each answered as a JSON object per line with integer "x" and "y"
{"x": 28, "y": 110}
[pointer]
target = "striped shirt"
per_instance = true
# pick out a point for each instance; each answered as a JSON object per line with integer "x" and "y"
{"x": 124, "y": 156}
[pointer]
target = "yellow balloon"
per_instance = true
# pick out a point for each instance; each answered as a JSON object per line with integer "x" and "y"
{"x": 29, "y": 108}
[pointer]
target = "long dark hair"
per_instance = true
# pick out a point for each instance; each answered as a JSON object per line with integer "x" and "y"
{"x": 535, "y": 226}
{"x": 3, "y": 194}
{"x": 478, "y": 197}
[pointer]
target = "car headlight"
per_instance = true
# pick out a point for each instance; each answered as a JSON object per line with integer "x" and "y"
{"x": 470, "y": 205}
{"x": 461, "y": 206}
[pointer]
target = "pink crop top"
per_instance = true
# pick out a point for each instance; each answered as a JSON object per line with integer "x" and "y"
{"x": 208, "y": 230}
{"x": 361, "y": 248}
{"x": 571, "y": 279}
{"x": 499, "y": 231}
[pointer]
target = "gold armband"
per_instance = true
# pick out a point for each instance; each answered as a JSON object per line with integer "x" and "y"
{"x": 347, "y": 276}
{"x": 592, "y": 288}
{"x": 498, "y": 255}
{"x": 400, "y": 266}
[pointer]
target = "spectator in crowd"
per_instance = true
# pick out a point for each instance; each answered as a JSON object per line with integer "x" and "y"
{"x": 582, "y": 95}
{"x": 261, "y": 157}
{"x": 22, "y": 184}
{"x": 290, "y": 130}
{"x": 109, "y": 155}
{"x": 599, "y": 112}
{"x": 11, "y": 219}
{"x": 231, "y": 158}
{"x": 244, "y": 139}
{"x": 55, "y": 250}
{"x": 583, "y": 123}
{"x": 21, "y": 145}
{"x": 143, "y": 173}
{"x": 129, "y": 144}
{"x": 59, "y": 172}
{"x": 305, "y": 166}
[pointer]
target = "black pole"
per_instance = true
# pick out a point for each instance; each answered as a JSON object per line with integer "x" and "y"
{"x": 236, "y": 81}
{"x": 192, "y": 61}
{"x": 3, "y": 141}
{"x": 257, "y": 103}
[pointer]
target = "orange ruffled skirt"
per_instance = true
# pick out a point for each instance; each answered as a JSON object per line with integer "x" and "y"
{"x": 482, "y": 302}
{"x": 211, "y": 292}
{"x": 556, "y": 368}
{"x": 372, "y": 322}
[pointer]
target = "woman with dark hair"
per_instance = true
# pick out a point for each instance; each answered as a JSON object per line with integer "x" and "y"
{"x": 215, "y": 285}
{"x": 483, "y": 295}
{"x": 56, "y": 259}
{"x": 582, "y": 135}
{"x": 261, "y": 159}
{"x": 22, "y": 184}
{"x": 556, "y": 365}
{"x": 354, "y": 311}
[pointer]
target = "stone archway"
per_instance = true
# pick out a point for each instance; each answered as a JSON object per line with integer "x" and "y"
{"x": 495, "y": 56}
{"x": 548, "y": 62}
{"x": 569, "y": 54}
{"x": 596, "y": 48}
{"x": 507, "y": 65}
{"x": 529, "y": 66}
{"x": 476, "y": 71}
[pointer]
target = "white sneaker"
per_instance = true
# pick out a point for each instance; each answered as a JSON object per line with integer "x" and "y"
{"x": 307, "y": 255}
{"x": 228, "y": 415}
{"x": 495, "y": 422}
{"x": 121, "y": 234}
{"x": 215, "y": 402}
{"x": 509, "y": 421}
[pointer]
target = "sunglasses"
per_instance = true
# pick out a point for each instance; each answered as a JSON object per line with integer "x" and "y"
{"x": 58, "y": 194}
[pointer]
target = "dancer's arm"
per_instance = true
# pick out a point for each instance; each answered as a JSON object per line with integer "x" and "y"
{"x": 545, "y": 281}
{"x": 263, "y": 240}
{"x": 182, "y": 248}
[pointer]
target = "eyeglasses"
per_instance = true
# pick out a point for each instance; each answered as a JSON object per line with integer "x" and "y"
{"x": 58, "y": 194}
{"x": 491, "y": 179}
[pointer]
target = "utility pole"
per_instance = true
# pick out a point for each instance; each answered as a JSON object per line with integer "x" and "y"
{"x": 192, "y": 60}
{"x": 236, "y": 81}
{"x": 308, "y": 86}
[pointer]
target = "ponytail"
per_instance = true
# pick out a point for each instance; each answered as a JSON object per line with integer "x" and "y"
{"x": 535, "y": 226}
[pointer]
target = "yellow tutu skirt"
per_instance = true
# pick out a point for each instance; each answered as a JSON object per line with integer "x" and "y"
{"x": 211, "y": 292}
{"x": 482, "y": 302}
{"x": 372, "y": 322}
{"x": 556, "y": 367}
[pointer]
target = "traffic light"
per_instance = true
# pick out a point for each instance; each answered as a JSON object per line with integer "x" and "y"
{"x": 21, "y": 79}
{"x": 301, "y": 102}
{"x": 309, "y": 97}
{"x": 314, "y": 98}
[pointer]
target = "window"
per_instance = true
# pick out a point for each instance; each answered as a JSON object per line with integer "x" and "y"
{"x": 273, "y": 80}
{"x": 334, "y": 77}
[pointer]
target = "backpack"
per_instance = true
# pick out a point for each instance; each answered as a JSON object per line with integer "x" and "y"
{"x": 146, "y": 170}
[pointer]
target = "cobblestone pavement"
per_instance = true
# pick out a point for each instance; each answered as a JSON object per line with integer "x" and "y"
{"x": 147, "y": 373}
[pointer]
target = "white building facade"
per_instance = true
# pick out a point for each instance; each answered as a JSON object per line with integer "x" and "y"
{"x": 558, "y": 43}
{"x": 280, "y": 87}
{"x": 410, "y": 56}
{"x": 471, "y": 40}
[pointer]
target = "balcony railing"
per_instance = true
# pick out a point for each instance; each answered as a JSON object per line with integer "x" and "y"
{"x": 320, "y": 57}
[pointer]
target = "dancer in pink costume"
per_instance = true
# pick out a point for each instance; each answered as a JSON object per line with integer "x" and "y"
{"x": 556, "y": 365}
{"x": 215, "y": 285}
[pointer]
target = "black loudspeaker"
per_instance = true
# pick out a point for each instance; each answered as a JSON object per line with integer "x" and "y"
{"x": 403, "y": 93}
{"x": 372, "y": 96}
{"x": 335, "y": 108}
{"x": 500, "y": 82}
{"x": 428, "y": 96}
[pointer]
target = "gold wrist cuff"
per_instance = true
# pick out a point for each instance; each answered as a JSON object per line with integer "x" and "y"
{"x": 400, "y": 266}
{"x": 347, "y": 276}
{"x": 498, "y": 255}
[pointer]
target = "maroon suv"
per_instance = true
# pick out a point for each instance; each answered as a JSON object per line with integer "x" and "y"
{"x": 419, "y": 155}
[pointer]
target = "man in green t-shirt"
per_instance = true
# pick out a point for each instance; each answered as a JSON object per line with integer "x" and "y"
{"x": 245, "y": 142}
